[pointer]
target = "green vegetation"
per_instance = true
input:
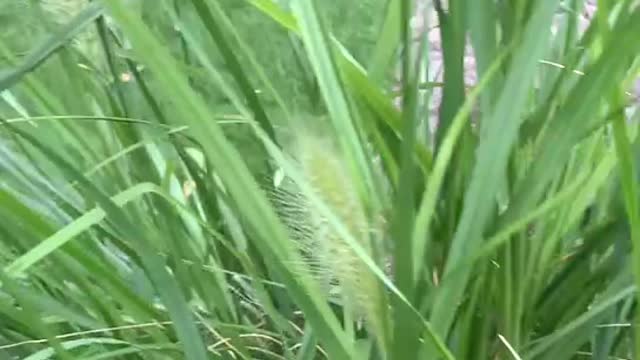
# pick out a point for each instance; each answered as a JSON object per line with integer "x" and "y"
{"x": 204, "y": 179}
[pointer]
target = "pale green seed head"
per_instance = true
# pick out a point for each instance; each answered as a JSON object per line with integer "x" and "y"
{"x": 328, "y": 255}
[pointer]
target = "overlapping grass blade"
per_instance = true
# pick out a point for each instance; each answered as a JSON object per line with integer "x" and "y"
{"x": 8, "y": 77}
{"x": 245, "y": 193}
{"x": 491, "y": 158}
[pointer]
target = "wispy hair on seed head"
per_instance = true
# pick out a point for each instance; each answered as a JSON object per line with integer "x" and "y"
{"x": 326, "y": 255}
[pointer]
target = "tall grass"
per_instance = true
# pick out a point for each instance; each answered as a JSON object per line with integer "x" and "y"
{"x": 256, "y": 180}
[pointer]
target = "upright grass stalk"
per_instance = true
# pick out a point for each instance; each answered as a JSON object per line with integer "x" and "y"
{"x": 139, "y": 228}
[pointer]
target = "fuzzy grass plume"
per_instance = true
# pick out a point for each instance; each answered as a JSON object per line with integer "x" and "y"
{"x": 328, "y": 256}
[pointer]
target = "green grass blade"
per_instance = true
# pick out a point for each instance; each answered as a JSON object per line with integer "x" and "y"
{"x": 60, "y": 238}
{"x": 317, "y": 43}
{"x": 427, "y": 209}
{"x": 630, "y": 191}
{"x": 51, "y": 45}
{"x": 249, "y": 199}
{"x": 492, "y": 157}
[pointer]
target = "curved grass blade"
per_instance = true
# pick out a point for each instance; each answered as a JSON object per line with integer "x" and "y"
{"x": 212, "y": 21}
{"x": 442, "y": 161}
{"x": 630, "y": 190}
{"x": 155, "y": 268}
{"x": 81, "y": 224}
{"x": 8, "y": 77}
{"x": 492, "y": 156}
{"x": 48, "y": 353}
{"x": 320, "y": 54}
{"x": 593, "y": 312}
{"x": 248, "y": 198}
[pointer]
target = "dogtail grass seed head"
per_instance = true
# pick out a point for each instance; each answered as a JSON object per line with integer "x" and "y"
{"x": 326, "y": 253}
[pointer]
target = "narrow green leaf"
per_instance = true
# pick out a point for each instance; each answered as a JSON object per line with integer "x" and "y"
{"x": 630, "y": 190}
{"x": 41, "y": 53}
{"x": 492, "y": 156}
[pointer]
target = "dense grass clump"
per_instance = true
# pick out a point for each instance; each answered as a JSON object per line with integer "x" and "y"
{"x": 446, "y": 179}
